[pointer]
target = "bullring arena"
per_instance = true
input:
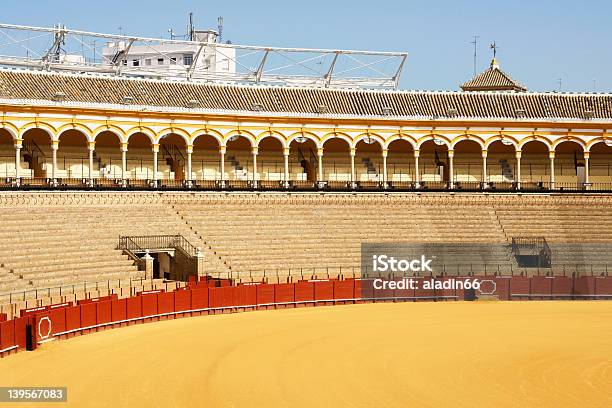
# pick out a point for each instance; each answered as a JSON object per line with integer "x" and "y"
{"x": 185, "y": 242}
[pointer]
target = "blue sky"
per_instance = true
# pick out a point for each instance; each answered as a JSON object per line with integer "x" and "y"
{"x": 539, "y": 41}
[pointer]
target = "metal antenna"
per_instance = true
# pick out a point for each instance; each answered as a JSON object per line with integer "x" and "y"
{"x": 475, "y": 42}
{"x": 190, "y": 30}
{"x": 220, "y": 28}
{"x": 594, "y": 85}
{"x": 560, "y": 81}
{"x": 494, "y": 48}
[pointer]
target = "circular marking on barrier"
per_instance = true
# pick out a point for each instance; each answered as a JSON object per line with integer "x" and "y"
{"x": 46, "y": 336}
{"x": 488, "y": 293}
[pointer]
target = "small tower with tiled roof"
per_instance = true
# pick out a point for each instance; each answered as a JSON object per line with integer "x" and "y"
{"x": 493, "y": 79}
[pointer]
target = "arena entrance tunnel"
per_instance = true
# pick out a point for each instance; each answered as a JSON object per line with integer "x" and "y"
{"x": 170, "y": 257}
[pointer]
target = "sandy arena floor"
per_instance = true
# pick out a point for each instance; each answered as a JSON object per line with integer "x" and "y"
{"x": 455, "y": 354}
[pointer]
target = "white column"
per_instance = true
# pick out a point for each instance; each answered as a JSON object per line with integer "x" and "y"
{"x": 18, "y": 144}
{"x": 551, "y": 155}
{"x": 222, "y": 164}
{"x": 417, "y": 176}
{"x": 385, "y": 153}
{"x": 255, "y": 151}
{"x": 320, "y": 156}
{"x": 91, "y": 147}
{"x": 451, "y": 170}
{"x": 54, "y": 149}
{"x": 189, "y": 165}
{"x": 286, "y": 157}
{"x": 353, "y": 151}
{"x": 484, "y": 167}
{"x": 518, "y": 170}
{"x": 124, "y": 149}
{"x": 586, "y": 169}
{"x": 155, "y": 151}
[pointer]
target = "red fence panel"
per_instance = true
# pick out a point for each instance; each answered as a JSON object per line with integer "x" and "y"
{"x": 149, "y": 304}
{"x": 541, "y": 285}
{"x": 119, "y": 310}
{"x": 584, "y": 286}
{"x": 562, "y": 286}
{"x": 519, "y": 285}
{"x": 248, "y": 295}
{"x": 324, "y": 290}
{"x": 304, "y": 291}
{"x": 182, "y": 300}
{"x": 58, "y": 320}
{"x": 265, "y": 294}
{"x": 7, "y": 335}
{"x": 134, "y": 308}
{"x": 502, "y": 288}
{"x": 220, "y": 296}
{"x": 603, "y": 286}
{"x": 105, "y": 311}
{"x": 3, "y": 317}
{"x": 165, "y": 302}
{"x": 344, "y": 289}
{"x": 424, "y": 288}
{"x": 88, "y": 314}
{"x": 199, "y": 298}
{"x": 73, "y": 318}
{"x": 284, "y": 293}
{"x": 98, "y": 299}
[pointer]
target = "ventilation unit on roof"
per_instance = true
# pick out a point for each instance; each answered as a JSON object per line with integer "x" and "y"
{"x": 127, "y": 100}
{"x": 59, "y": 96}
{"x": 520, "y": 113}
{"x": 452, "y": 112}
{"x": 193, "y": 103}
{"x": 387, "y": 111}
{"x": 321, "y": 109}
{"x": 257, "y": 107}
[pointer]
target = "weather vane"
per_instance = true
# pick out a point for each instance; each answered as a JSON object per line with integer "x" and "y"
{"x": 494, "y": 48}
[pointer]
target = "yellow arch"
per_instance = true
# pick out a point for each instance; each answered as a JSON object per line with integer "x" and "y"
{"x": 469, "y": 137}
{"x": 564, "y": 139}
{"x": 140, "y": 129}
{"x": 116, "y": 130}
{"x": 276, "y": 135}
{"x": 12, "y": 129}
{"x": 401, "y": 136}
{"x": 75, "y": 126}
{"x": 307, "y": 135}
{"x": 337, "y": 135}
{"x": 536, "y": 138}
{"x": 595, "y": 141}
{"x": 374, "y": 136}
{"x": 496, "y": 138}
{"x": 50, "y": 130}
{"x": 218, "y": 136}
{"x": 432, "y": 136}
{"x": 174, "y": 131}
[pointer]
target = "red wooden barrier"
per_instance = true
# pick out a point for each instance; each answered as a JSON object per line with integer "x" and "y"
{"x": 449, "y": 287}
{"x": 502, "y": 288}
{"x": 423, "y": 288}
{"x": 165, "y": 302}
{"x": 199, "y": 298}
{"x": 3, "y": 317}
{"x": 324, "y": 290}
{"x": 265, "y": 294}
{"x": 119, "y": 310}
{"x": 603, "y": 286}
{"x": 182, "y": 300}
{"x": 519, "y": 285}
{"x": 73, "y": 318}
{"x": 220, "y": 297}
{"x": 134, "y": 308}
{"x": 561, "y": 286}
{"x": 104, "y": 311}
{"x": 88, "y": 314}
{"x": 284, "y": 293}
{"x": 58, "y": 320}
{"x": 98, "y": 299}
{"x": 34, "y": 310}
{"x": 584, "y": 286}
{"x": 248, "y": 295}
{"x": 149, "y": 304}
{"x": 7, "y": 334}
{"x": 304, "y": 291}
{"x": 541, "y": 285}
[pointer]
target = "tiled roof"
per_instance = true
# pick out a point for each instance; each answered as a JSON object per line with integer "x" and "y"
{"x": 89, "y": 89}
{"x": 493, "y": 79}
